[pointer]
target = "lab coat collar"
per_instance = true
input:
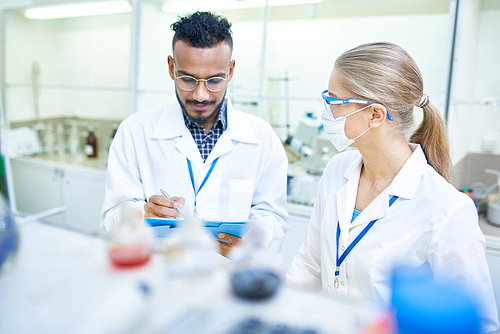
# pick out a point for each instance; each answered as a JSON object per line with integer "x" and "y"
{"x": 238, "y": 127}
{"x": 171, "y": 125}
{"x": 404, "y": 186}
{"x": 406, "y": 182}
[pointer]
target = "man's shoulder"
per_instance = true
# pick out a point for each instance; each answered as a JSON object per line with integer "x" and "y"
{"x": 258, "y": 124}
{"x": 144, "y": 117}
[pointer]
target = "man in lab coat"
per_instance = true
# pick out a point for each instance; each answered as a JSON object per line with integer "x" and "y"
{"x": 217, "y": 161}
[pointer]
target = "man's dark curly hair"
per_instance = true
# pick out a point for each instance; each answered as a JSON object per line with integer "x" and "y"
{"x": 202, "y": 30}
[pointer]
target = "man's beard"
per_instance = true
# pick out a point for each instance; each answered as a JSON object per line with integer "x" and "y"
{"x": 200, "y": 120}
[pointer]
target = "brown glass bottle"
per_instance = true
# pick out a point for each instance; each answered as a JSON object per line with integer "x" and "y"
{"x": 91, "y": 147}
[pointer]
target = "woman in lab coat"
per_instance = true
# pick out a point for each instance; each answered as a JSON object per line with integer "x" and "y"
{"x": 390, "y": 202}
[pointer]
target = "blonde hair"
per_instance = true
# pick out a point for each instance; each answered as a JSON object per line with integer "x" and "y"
{"x": 384, "y": 72}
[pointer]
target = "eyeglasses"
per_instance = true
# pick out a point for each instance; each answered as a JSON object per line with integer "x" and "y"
{"x": 189, "y": 83}
{"x": 336, "y": 107}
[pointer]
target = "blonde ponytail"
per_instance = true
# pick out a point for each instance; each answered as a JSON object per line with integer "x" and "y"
{"x": 432, "y": 136}
{"x": 384, "y": 72}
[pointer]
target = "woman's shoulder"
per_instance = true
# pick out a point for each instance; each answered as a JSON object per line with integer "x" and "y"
{"x": 443, "y": 194}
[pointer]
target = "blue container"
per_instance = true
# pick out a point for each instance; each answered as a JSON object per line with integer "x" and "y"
{"x": 424, "y": 306}
{"x": 9, "y": 236}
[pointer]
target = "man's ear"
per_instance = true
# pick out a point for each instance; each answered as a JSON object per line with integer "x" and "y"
{"x": 231, "y": 69}
{"x": 378, "y": 115}
{"x": 170, "y": 62}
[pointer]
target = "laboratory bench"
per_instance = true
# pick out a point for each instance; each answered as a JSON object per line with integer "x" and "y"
{"x": 63, "y": 282}
{"x": 77, "y": 159}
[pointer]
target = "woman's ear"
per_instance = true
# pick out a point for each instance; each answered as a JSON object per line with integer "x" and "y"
{"x": 378, "y": 115}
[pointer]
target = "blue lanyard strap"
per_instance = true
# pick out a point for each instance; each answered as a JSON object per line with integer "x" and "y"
{"x": 202, "y": 183}
{"x": 354, "y": 243}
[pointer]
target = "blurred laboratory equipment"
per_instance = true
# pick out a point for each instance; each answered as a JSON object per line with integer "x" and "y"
{"x": 131, "y": 243}
{"x": 301, "y": 187}
{"x": 49, "y": 139}
{"x": 422, "y": 305}
{"x": 257, "y": 271}
{"x": 190, "y": 250}
{"x": 493, "y": 199}
{"x": 91, "y": 146}
{"x": 22, "y": 141}
{"x": 311, "y": 145}
{"x": 35, "y": 78}
{"x": 309, "y": 150}
{"x": 9, "y": 237}
{"x": 74, "y": 139}
{"x": 60, "y": 145}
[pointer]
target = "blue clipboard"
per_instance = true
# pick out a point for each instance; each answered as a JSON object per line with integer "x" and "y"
{"x": 163, "y": 226}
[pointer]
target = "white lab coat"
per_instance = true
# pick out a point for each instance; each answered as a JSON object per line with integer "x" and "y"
{"x": 248, "y": 182}
{"x": 431, "y": 223}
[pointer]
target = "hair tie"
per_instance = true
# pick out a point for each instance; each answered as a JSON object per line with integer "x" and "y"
{"x": 424, "y": 101}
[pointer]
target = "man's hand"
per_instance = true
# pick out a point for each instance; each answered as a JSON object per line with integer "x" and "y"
{"x": 162, "y": 207}
{"x": 225, "y": 247}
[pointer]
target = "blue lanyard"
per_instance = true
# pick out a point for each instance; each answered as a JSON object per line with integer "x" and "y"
{"x": 353, "y": 244}
{"x": 202, "y": 184}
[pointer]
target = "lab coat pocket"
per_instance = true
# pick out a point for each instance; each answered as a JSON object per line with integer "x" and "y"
{"x": 240, "y": 199}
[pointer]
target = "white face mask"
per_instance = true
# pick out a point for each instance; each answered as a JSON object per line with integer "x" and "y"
{"x": 335, "y": 129}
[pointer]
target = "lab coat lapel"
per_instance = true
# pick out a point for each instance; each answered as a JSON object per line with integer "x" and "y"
{"x": 404, "y": 185}
{"x": 237, "y": 129}
{"x": 171, "y": 126}
{"x": 346, "y": 199}
{"x": 377, "y": 209}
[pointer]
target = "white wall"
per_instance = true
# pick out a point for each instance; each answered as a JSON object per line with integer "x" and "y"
{"x": 475, "y": 79}
{"x": 95, "y": 52}
{"x": 92, "y": 52}
{"x": 307, "y": 49}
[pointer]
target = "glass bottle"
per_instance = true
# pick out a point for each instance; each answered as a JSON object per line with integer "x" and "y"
{"x": 131, "y": 243}
{"x": 91, "y": 146}
{"x": 190, "y": 250}
{"x": 74, "y": 139}
{"x": 49, "y": 139}
{"x": 257, "y": 270}
{"x": 60, "y": 142}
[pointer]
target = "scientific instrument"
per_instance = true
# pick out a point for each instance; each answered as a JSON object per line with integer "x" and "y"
{"x": 311, "y": 145}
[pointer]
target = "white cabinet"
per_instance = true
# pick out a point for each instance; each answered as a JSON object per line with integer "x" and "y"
{"x": 41, "y": 185}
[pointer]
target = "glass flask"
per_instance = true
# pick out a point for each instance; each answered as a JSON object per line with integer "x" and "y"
{"x": 131, "y": 243}
{"x": 257, "y": 270}
{"x": 189, "y": 249}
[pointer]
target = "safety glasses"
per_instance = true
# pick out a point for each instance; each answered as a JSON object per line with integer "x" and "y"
{"x": 337, "y": 109}
{"x": 189, "y": 83}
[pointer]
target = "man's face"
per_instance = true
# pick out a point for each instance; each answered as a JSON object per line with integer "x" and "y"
{"x": 201, "y": 63}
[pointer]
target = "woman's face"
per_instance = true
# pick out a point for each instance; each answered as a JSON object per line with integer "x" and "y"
{"x": 358, "y": 122}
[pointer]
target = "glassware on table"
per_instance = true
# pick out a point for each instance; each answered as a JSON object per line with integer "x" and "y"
{"x": 131, "y": 243}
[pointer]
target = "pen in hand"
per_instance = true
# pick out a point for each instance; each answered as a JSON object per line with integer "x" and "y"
{"x": 179, "y": 211}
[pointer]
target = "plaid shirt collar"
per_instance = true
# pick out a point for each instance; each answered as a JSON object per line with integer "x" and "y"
{"x": 206, "y": 141}
{"x": 220, "y": 122}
